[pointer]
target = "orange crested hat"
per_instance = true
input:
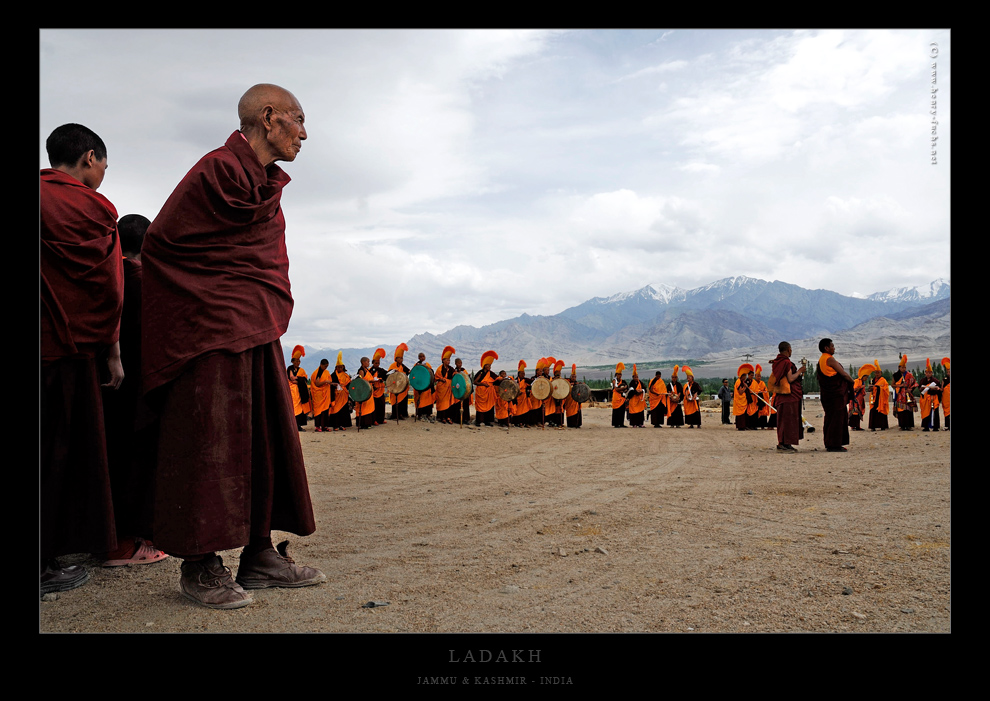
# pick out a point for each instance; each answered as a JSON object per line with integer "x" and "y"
{"x": 522, "y": 365}
{"x": 298, "y": 352}
{"x": 876, "y": 365}
{"x": 945, "y": 363}
{"x": 378, "y": 354}
{"x": 673, "y": 373}
{"x": 759, "y": 369}
{"x": 635, "y": 371}
{"x": 447, "y": 352}
{"x": 865, "y": 370}
{"x": 573, "y": 369}
{"x": 903, "y": 362}
{"x": 488, "y": 357}
{"x": 687, "y": 371}
{"x": 400, "y": 349}
{"x": 744, "y": 369}
{"x": 619, "y": 368}
{"x": 558, "y": 365}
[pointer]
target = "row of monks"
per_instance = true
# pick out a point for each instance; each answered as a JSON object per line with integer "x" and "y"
{"x": 675, "y": 404}
{"x": 871, "y": 396}
{"x": 933, "y": 397}
{"x": 328, "y": 394}
{"x": 329, "y": 397}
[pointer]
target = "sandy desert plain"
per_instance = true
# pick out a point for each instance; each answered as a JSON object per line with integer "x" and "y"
{"x": 468, "y": 530}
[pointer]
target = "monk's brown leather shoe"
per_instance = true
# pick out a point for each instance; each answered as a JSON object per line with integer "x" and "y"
{"x": 271, "y": 568}
{"x": 210, "y": 584}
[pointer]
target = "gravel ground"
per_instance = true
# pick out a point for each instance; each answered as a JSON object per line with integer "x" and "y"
{"x": 528, "y": 530}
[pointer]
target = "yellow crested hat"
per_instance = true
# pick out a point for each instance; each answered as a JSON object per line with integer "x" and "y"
{"x": 744, "y": 369}
{"x": 298, "y": 352}
{"x": 447, "y": 352}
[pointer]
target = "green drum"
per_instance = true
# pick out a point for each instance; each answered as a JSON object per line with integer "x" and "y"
{"x": 461, "y": 385}
{"x": 420, "y": 377}
{"x": 359, "y": 390}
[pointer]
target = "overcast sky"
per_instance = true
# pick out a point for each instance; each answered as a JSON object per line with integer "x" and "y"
{"x": 464, "y": 177}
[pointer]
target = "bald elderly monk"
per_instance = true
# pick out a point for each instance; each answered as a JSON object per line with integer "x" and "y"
{"x": 216, "y": 301}
{"x": 82, "y": 287}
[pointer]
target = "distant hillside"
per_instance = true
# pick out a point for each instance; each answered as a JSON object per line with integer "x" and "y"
{"x": 661, "y": 321}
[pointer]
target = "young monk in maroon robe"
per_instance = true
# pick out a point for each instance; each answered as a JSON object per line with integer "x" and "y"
{"x": 82, "y": 284}
{"x": 216, "y": 301}
{"x": 788, "y": 405}
{"x": 131, "y": 430}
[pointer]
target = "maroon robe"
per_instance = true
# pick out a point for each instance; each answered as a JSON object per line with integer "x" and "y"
{"x": 82, "y": 270}
{"x": 788, "y": 406}
{"x": 216, "y": 300}
{"x": 834, "y": 397}
{"x": 131, "y": 433}
{"x": 81, "y": 301}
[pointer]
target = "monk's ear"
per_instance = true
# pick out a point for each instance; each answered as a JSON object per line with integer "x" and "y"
{"x": 87, "y": 160}
{"x": 267, "y": 115}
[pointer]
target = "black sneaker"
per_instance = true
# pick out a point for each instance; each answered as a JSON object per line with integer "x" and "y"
{"x": 54, "y": 577}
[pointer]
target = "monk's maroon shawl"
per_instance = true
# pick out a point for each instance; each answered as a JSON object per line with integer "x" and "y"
{"x": 82, "y": 273}
{"x": 216, "y": 271}
{"x": 782, "y": 367}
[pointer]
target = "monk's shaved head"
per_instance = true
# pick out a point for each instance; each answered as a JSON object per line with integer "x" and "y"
{"x": 252, "y": 103}
{"x": 272, "y": 120}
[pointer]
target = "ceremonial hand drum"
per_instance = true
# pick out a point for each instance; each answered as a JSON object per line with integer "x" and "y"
{"x": 561, "y": 388}
{"x": 420, "y": 377}
{"x": 360, "y": 390}
{"x": 397, "y": 383}
{"x": 580, "y": 393}
{"x": 508, "y": 390}
{"x": 461, "y": 385}
{"x": 541, "y": 388}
